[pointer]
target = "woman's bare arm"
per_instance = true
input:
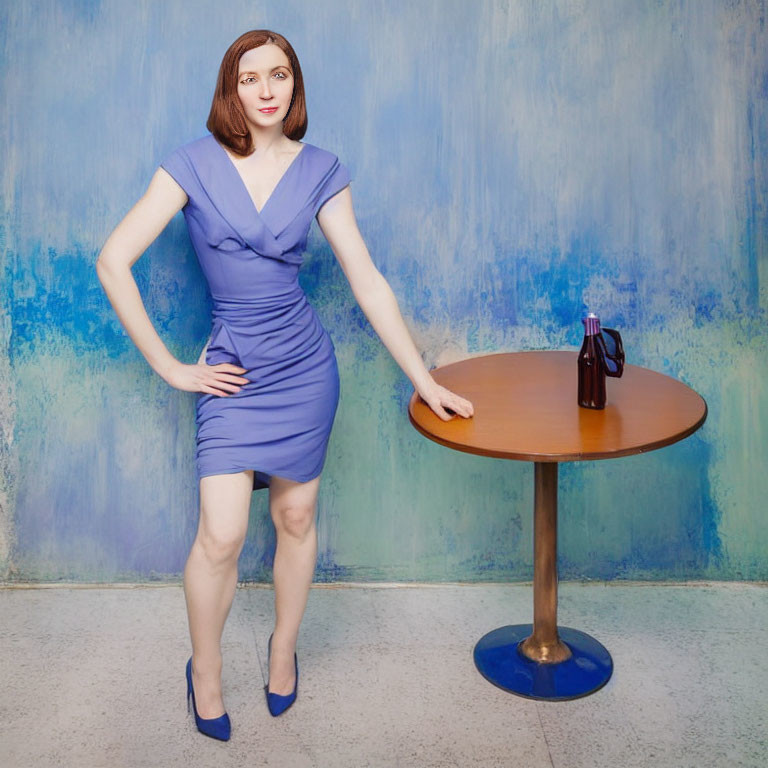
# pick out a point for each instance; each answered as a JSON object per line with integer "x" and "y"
{"x": 139, "y": 228}
{"x": 375, "y": 297}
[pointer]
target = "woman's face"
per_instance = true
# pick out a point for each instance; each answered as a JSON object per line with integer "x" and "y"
{"x": 264, "y": 81}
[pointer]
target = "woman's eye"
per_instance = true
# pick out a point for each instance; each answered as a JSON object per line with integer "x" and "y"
{"x": 248, "y": 78}
{"x": 282, "y": 75}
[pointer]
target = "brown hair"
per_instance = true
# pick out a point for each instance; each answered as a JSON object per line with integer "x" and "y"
{"x": 226, "y": 120}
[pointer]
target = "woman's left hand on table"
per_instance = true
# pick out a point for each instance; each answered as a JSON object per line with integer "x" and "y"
{"x": 444, "y": 403}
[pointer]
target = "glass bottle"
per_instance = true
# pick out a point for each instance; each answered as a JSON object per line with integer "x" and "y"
{"x": 591, "y": 368}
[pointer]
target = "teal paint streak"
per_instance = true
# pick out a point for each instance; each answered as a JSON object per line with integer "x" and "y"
{"x": 575, "y": 158}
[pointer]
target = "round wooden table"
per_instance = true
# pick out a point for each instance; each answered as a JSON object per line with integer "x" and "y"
{"x": 526, "y": 409}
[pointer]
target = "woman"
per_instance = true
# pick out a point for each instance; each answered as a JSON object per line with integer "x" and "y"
{"x": 267, "y": 379}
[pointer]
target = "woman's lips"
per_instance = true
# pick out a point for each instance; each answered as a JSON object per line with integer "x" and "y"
{"x": 268, "y": 110}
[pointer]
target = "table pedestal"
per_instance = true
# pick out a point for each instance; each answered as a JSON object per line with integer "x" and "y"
{"x": 542, "y": 660}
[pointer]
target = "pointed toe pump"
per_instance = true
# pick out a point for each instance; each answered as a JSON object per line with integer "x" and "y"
{"x": 276, "y": 703}
{"x": 215, "y": 727}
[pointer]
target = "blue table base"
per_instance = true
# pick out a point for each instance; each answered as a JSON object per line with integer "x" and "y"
{"x": 499, "y": 660}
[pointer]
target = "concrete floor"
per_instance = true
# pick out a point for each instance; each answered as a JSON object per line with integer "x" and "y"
{"x": 94, "y": 676}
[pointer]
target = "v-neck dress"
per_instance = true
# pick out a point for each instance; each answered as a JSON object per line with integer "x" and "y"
{"x": 279, "y": 423}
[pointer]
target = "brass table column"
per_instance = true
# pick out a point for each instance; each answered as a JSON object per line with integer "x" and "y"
{"x": 544, "y": 644}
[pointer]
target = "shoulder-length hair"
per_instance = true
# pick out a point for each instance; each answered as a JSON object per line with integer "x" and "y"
{"x": 226, "y": 120}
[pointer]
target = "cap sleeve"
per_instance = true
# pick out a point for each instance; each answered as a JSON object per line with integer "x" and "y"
{"x": 179, "y": 166}
{"x": 338, "y": 178}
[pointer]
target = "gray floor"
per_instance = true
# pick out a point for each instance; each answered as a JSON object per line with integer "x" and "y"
{"x": 94, "y": 676}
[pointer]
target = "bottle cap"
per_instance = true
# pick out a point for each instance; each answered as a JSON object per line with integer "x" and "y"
{"x": 591, "y": 324}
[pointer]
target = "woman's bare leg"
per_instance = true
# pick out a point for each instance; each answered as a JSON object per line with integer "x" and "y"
{"x": 210, "y": 579}
{"x": 292, "y": 507}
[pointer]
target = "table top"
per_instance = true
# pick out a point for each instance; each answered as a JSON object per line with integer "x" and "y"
{"x": 526, "y": 408}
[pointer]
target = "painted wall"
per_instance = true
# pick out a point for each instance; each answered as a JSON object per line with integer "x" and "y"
{"x": 514, "y": 164}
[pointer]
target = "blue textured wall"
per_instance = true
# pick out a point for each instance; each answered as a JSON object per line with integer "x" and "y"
{"x": 513, "y": 164}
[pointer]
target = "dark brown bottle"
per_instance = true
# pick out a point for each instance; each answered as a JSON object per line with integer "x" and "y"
{"x": 591, "y": 368}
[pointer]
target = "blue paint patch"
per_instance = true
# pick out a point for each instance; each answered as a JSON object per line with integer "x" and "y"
{"x": 56, "y": 297}
{"x": 708, "y": 308}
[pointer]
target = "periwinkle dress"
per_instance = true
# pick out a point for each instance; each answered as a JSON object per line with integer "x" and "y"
{"x": 279, "y": 422}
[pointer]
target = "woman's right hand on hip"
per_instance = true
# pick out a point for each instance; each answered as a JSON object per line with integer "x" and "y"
{"x": 221, "y": 379}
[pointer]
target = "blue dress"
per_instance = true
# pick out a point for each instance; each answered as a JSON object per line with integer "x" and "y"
{"x": 279, "y": 422}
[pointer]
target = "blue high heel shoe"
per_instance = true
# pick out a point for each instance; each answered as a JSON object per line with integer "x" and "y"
{"x": 276, "y": 703}
{"x": 215, "y": 727}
